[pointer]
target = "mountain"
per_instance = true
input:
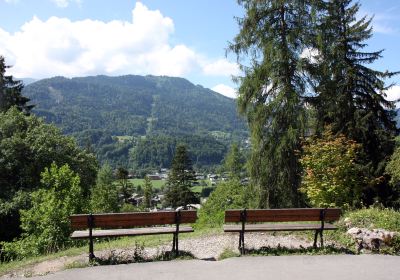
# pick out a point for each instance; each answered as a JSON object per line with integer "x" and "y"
{"x": 113, "y": 115}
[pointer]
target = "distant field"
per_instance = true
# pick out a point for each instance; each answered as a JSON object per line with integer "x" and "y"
{"x": 157, "y": 184}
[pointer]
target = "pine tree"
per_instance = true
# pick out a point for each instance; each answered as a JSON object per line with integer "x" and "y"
{"x": 234, "y": 162}
{"x": 147, "y": 192}
{"x": 271, "y": 94}
{"x": 180, "y": 180}
{"x": 11, "y": 91}
{"x": 349, "y": 95}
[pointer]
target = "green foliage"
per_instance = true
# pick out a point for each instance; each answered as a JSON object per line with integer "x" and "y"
{"x": 11, "y": 92}
{"x": 180, "y": 180}
{"x": 147, "y": 192}
{"x": 331, "y": 175}
{"x": 393, "y": 167}
{"x": 46, "y": 225}
{"x": 27, "y": 147}
{"x": 373, "y": 218}
{"x": 228, "y": 253}
{"x": 158, "y": 150}
{"x": 104, "y": 198}
{"x": 126, "y": 188}
{"x": 271, "y": 94}
{"x": 393, "y": 170}
{"x": 349, "y": 95}
{"x": 227, "y": 195}
{"x": 234, "y": 162}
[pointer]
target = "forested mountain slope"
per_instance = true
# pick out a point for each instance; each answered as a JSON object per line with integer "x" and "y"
{"x": 99, "y": 108}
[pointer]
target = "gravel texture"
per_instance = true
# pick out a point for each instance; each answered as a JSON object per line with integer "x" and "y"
{"x": 206, "y": 247}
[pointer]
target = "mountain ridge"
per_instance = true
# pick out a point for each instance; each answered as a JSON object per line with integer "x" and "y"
{"x": 101, "y": 110}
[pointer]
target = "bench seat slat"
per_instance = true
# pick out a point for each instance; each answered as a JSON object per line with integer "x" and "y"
{"x": 119, "y": 220}
{"x": 129, "y": 232}
{"x": 283, "y": 215}
{"x": 277, "y": 227}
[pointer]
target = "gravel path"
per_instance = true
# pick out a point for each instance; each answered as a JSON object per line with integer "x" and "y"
{"x": 207, "y": 247}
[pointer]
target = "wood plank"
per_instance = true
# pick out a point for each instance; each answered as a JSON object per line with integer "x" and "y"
{"x": 129, "y": 232}
{"x": 283, "y": 215}
{"x": 120, "y": 220}
{"x": 277, "y": 227}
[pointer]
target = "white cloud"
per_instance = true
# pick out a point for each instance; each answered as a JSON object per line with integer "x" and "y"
{"x": 65, "y": 3}
{"x": 221, "y": 67}
{"x": 59, "y": 46}
{"x": 11, "y": 1}
{"x": 393, "y": 94}
{"x": 225, "y": 90}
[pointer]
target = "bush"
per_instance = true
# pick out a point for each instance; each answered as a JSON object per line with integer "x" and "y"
{"x": 46, "y": 225}
{"x": 331, "y": 176}
{"x": 227, "y": 195}
{"x": 373, "y": 218}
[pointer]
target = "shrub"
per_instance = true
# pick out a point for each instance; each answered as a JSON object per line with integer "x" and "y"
{"x": 227, "y": 195}
{"x": 46, "y": 225}
{"x": 372, "y": 218}
{"x": 331, "y": 176}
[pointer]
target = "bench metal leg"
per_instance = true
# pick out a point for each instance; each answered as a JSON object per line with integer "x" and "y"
{"x": 241, "y": 243}
{"x": 175, "y": 242}
{"x": 321, "y": 238}
{"x": 91, "y": 253}
{"x": 315, "y": 238}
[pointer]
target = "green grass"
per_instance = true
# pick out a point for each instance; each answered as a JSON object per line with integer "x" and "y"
{"x": 388, "y": 219}
{"x": 157, "y": 184}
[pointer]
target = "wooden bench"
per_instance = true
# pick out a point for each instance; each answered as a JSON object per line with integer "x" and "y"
{"x": 131, "y": 224}
{"x": 281, "y": 220}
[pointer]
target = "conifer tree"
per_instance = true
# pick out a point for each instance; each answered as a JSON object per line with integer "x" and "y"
{"x": 349, "y": 96}
{"x": 271, "y": 94}
{"x": 147, "y": 192}
{"x": 180, "y": 180}
{"x": 11, "y": 91}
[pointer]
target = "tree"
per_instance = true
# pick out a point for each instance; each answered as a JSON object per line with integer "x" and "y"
{"x": 180, "y": 180}
{"x": 46, "y": 225}
{"x": 332, "y": 177}
{"x": 147, "y": 192}
{"x": 11, "y": 91}
{"x": 27, "y": 147}
{"x": 104, "y": 196}
{"x": 393, "y": 170}
{"x": 350, "y": 96}
{"x": 234, "y": 161}
{"x": 126, "y": 186}
{"x": 271, "y": 94}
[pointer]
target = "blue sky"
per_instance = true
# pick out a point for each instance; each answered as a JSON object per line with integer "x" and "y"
{"x": 185, "y": 38}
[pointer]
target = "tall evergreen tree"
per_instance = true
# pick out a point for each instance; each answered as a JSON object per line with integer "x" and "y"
{"x": 234, "y": 162}
{"x": 271, "y": 94}
{"x": 349, "y": 95}
{"x": 180, "y": 180}
{"x": 147, "y": 192}
{"x": 11, "y": 91}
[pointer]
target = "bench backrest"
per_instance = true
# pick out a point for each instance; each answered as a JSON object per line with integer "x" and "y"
{"x": 136, "y": 219}
{"x": 283, "y": 215}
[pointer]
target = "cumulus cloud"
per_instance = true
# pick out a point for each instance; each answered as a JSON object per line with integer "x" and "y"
{"x": 393, "y": 94}
{"x": 225, "y": 90}
{"x": 221, "y": 67}
{"x": 59, "y": 46}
